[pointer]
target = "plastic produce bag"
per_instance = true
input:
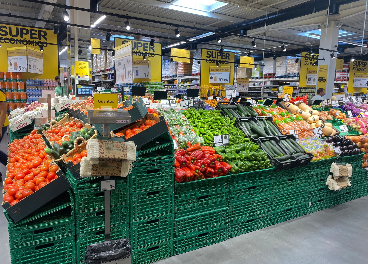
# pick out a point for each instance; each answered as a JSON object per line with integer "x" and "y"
{"x": 108, "y": 251}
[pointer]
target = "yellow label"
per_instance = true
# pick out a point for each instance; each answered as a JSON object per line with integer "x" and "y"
{"x": 17, "y": 52}
{"x": 82, "y": 68}
{"x": 105, "y": 100}
{"x": 141, "y": 62}
{"x": 96, "y": 45}
{"x": 246, "y": 62}
{"x": 35, "y": 54}
{"x": 306, "y": 63}
{"x": 220, "y": 69}
{"x": 180, "y": 55}
{"x": 288, "y": 90}
{"x": 339, "y": 64}
{"x": 356, "y": 66}
{"x": 153, "y": 54}
{"x": 322, "y": 76}
{"x": 242, "y": 80}
{"x": 311, "y": 71}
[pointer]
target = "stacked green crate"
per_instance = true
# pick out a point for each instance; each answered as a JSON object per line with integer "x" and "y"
{"x": 152, "y": 201}
{"x": 250, "y": 199}
{"x": 45, "y": 237}
{"x": 90, "y": 212}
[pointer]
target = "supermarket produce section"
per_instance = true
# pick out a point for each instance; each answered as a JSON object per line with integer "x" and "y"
{"x": 193, "y": 177}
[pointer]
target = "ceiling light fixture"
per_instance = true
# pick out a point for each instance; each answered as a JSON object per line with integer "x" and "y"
{"x": 41, "y": 47}
{"x": 63, "y": 50}
{"x": 177, "y": 33}
{"x": 66, "y": 16}
{"x": 219, "y": 40}
{"x": 352, "y": 59}
{"x": 127, "y": 25}
{"x": 152, "y": 42}
{"x": 254, "y": 43}
{"x": 98, "y": 21}
{"x": 108, "y": 36}
{"x": 144, "y": 57}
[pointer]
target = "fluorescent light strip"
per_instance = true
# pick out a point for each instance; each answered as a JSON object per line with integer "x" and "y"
{"x": 98, "y": 21}
{"x": 201, "y": 36}
{"x": 63, "y": 50}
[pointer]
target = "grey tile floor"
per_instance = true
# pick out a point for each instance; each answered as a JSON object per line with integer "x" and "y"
{"x": 338, "y": 235}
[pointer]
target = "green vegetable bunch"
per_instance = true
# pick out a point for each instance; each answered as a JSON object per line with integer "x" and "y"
{"x": 244, "y": 157}
{"x": 209, "y": 123}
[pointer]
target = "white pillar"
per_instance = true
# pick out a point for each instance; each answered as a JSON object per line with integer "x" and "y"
{"x": 329, "y": 40}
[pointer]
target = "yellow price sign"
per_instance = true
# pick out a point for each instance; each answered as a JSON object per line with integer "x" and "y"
{"x": 180, "y": 55}
{"x": 82, "y": 68}
{"x": 246, "y": 62}
{"x": 287, "y": 93}
{"x": 105, "y": 100}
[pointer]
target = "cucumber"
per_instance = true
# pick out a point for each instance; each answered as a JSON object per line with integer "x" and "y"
{"x": 56, "y": 147}
{"x": 274, "y": 129}
{"x": 61, "y": 151}
{"x": 65, "y": 144}
{"x": 283, "y": 158}
{"x": 298, "y": 154}
{"x": 287, "y": 147}
{"x": 258, "y": 131}
{"x": 52, "y": 152}
{"x": 251, "y": 111}
{"x": 276, "y": 149}
{"x": 241, "y": 110}
{"x": 268, "y": 150}
{"x": 267, "y": 131}
{"x": 295, "y": 145}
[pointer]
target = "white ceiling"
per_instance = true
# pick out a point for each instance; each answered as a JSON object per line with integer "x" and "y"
{"x": 160, "y": 16}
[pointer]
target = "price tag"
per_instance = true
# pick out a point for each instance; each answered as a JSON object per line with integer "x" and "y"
{"x": 318, "y": 132}
{"x": 186, "y": 103}
{"x": 337, "y": 150}
{"x": 22, "y": 124}
{"x": 221, "y": 140}
{"x": 251, "y": 101}
{"x": 210, "y": 97}
{"x": 335, "y": 103}
{"x": 154, "y": 106}
{"x": 165, "y": 104}
{"x": 107, "y": 185}
{"x": 175, "y": 144}
{"x": 350, "y": 114}
{"x": 344, "y": 128}
{"x": 295, "y": 133}
{"x": 114, "y": 90}
{"x": 230, "y": 93}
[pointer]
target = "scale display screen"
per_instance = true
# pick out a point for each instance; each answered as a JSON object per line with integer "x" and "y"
{"x": 84, "y": 90}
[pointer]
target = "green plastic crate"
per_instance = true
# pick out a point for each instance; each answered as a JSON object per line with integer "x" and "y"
{"x": 60, "y": 251}
{"x": 182, "y": 245}
{"x": 290, "y": 183}
{"x": 54, "y": 227}
{"x": 151, "y": 204}
{"x": 285, "y": 200}
{"x": 200, "y": 196}
{"x": 152, "y": 254}
{"x": 247, "y": 226}
{"x": 160, "y": 146}
{"x": 200, "y": 223}
{"x": 251, "y": 209}
{"x": 289, "y": 213}
{"x": 149, "y": 233}
{"x": 152, "y": 176}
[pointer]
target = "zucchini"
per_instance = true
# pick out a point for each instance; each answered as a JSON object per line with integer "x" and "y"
{"x": 269, "y": 150}
{"x": 287, "y": 147}
{"x": 295, "y": 145}
{"x": 298, "y": 154}
{"x": 65, "y": 144}
{"x": 56, "y": 147}
{"x": 283, "y": 158}
{"x": 258, "y": 131}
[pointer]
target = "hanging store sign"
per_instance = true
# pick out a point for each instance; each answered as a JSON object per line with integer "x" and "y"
{"x": 105, "y": 100}
{"x": 219, "y": 75}
{"x": 312, "y": 77}
{"x": 209, "y": 60}
{"x": 307, "y": 62}
{"x": 96, "y": 46}
{"x": 246, "y": 62}
{"x": 242, "y": 85}
{"x": 124, "y": 64}
{"x": 180, "y": 55}
{"x": 17, "y": 59}
{"x": 287, "y": 93}
{"x": 339, "y": 64}
{"x": 81, "y": 69}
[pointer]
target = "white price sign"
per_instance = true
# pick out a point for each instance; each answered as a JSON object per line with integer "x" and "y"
{"x": 360, "y": 81}
{"x": 242, "y": 85}
{"x": 35, "y": 65}
{"x": 141, "y": 69}
{"x": 344, "y": 128}
{"x": 20, "y": 125}
{"x": 107, "y": 185}
{"x": 186, "y": 103}
{"x": 318, "y": 132}
{"x": 230, "y": 93}
{"x": 165, "y": 104}
{"x": 124, "y": 70}
{"x": 17, "y": 64}
{"x": 350, "y": 114}
{"x": 173, "y": 103}
{"x": 219, "y": 75}
{"x": 312, "y": 77}
{"x": 221, "y": 140}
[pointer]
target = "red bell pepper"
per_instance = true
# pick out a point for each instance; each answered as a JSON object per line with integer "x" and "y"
{"x": 179, "y": 175}
{"x": 206, "y": 161}
{"x": 209, "y": 173}
{"x": 176, "y": 164}
{"x": 182, "y": 160}
{"x": 188, "y": 174}
{"x": 212, "y": 159}
{"x": 198, "y": 175}
{"x": 199, "y": 164}
{"x": 180, "y": 152}
{"x": 197, "y": 154}
{"x": 218, "y": 167}
{"x": 191, "y": 166}
{"x": 208, "y": 149}
{"x": 227, "y": 166}
{"x": 190, "y": 159}
{"x": 218, "y": 157}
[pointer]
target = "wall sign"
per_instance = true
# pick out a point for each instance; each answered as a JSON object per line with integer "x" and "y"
{"x": 96, "y": 46}
{"x": 360, "y": 81}
{"x": 219, "y": 74}
{"x": 124, "y": 64}
{"x": 141, "y": 69}
{"x": 17, "y": 60}
{"x": 287, "y": 93}
{"x": 35, "y": 61}
{"x": 246, "y": 62}
{"x": 242, "y": 85}
{"x": 312, "y": 77}
{"x": 180, "y": 55}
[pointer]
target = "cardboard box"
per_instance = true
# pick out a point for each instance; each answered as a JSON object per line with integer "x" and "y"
{"x": 38, "y": 199}
{"x": 107, "y": 149}
{"x": 105, "y": 167}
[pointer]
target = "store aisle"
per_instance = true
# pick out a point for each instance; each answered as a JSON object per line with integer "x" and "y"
{"x": 337, "y": 235}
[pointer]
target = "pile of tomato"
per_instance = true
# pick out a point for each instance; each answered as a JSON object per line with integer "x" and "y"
{"x": 134, "y": 130}
{"x": 29, "y": 168}
{"x": 76, "y": 158}
{"x": 56, "y": 133}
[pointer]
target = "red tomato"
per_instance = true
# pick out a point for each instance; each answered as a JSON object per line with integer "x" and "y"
{"x": 20, "y": 182}
{"x": 19, "y": 195}
{"x": 36, "y": 171}
{"x": 8, "y": 181}
{"x": 54, "y": 168}
{"x": 30, "y": 185}
{"x": 20, "y": 176}
{"x": 14, "y": 202}
{"x": 28, "y": 177}
{"x": 40, "y": 179}
{"x": 43, "y": 174}
{"x": 27, "y": 192}
{"x": 51, "y": 175}
{"x": 8, "y": 198}
{"x": 77, "y": 156}
{"x": 42, "y": 184}
{"x": 12, "y": 191}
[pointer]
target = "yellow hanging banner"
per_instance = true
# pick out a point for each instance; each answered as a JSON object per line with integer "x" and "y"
{"x": 96, "y": 46}
{"x": 246, "y": 62}
{"x": 357, "y": 69}
{"x": 180, "y": 55}
{"x": 322, "y": 77}
{"x": 306, "y": 63}
{"x": 105, "y": 100}
{"x": 339, "y": 64}
{"x": 209, "y": 60}
{"x": 82, "y": 69}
